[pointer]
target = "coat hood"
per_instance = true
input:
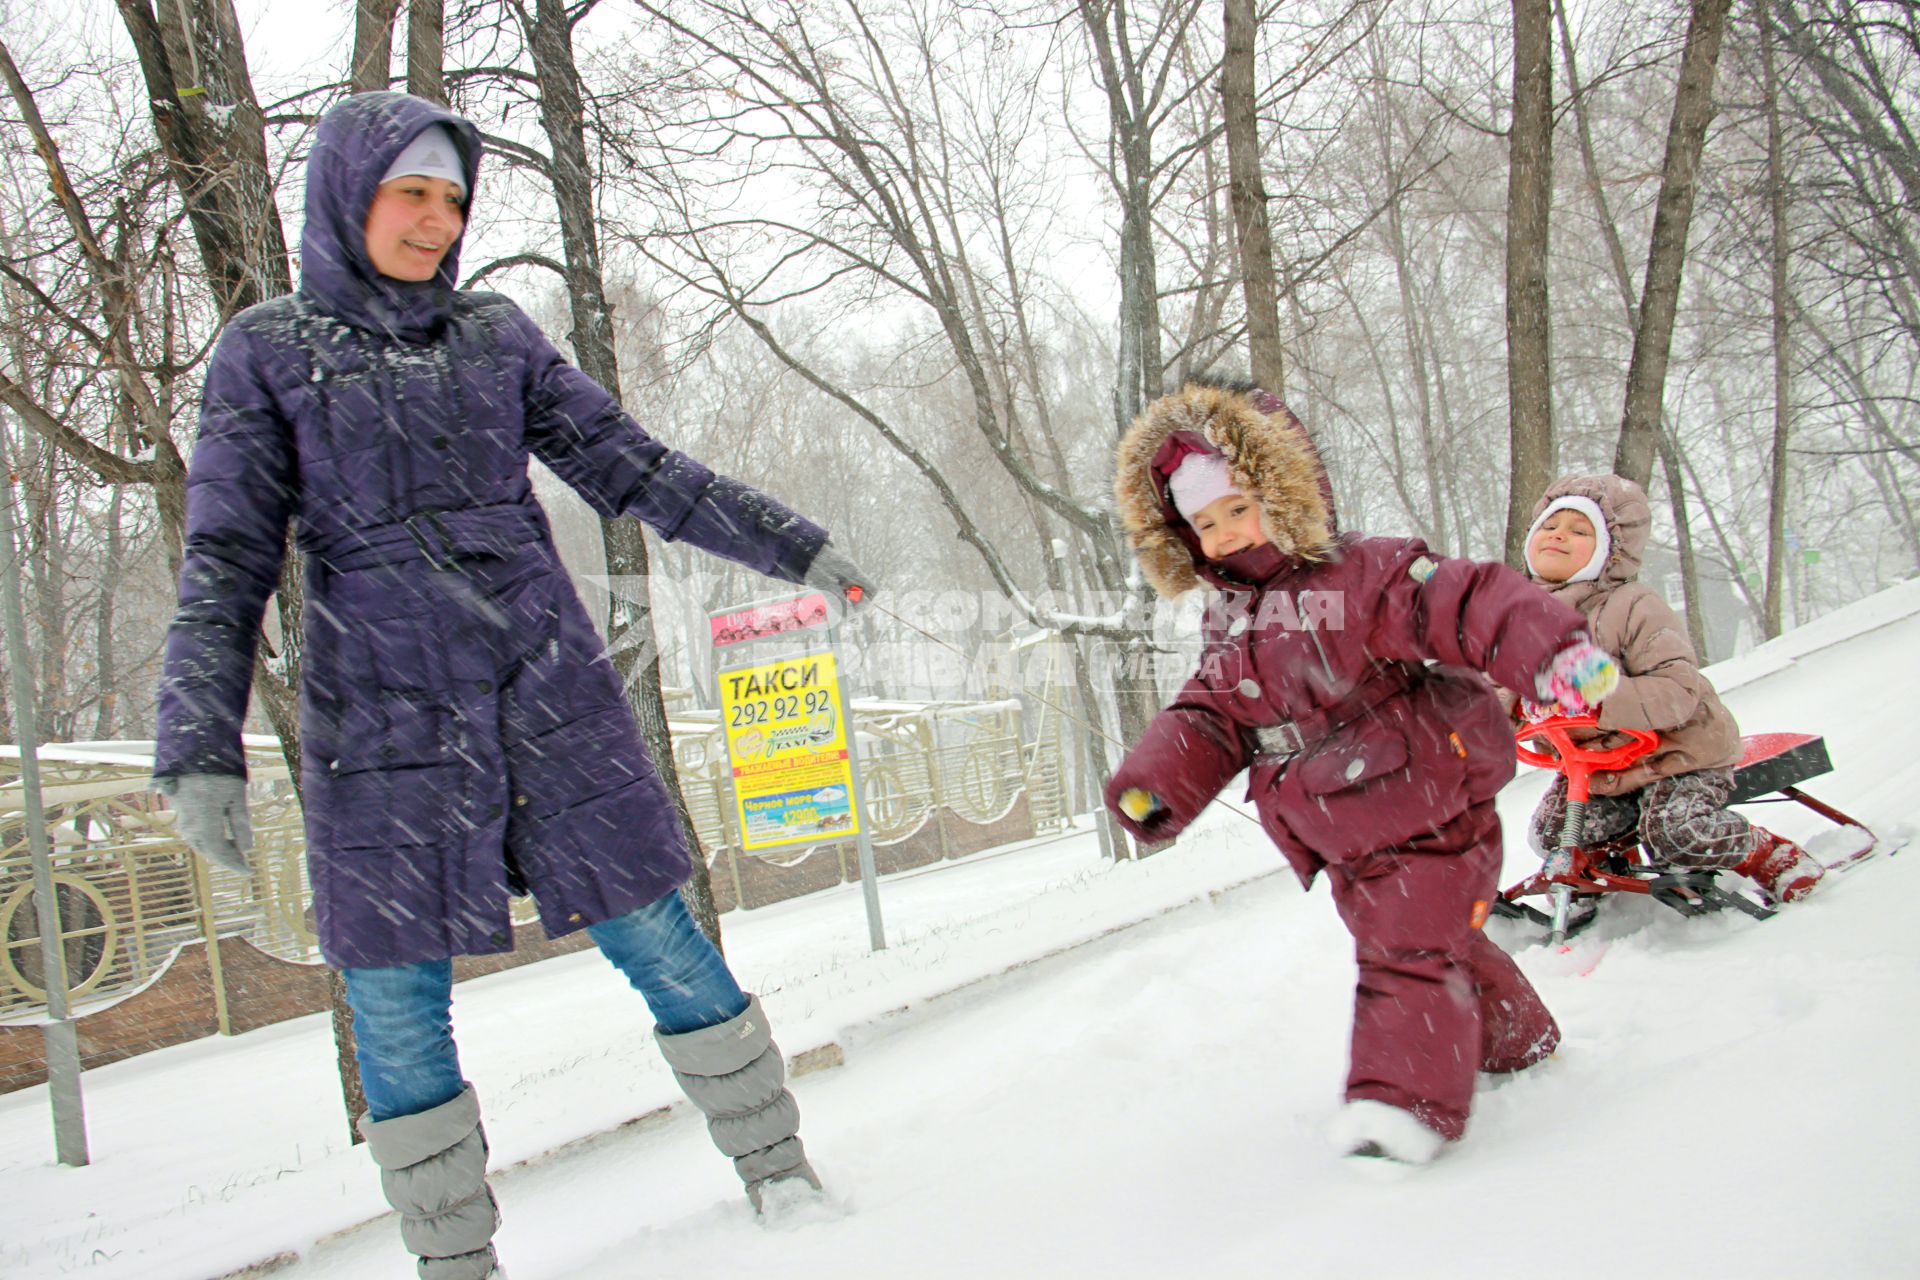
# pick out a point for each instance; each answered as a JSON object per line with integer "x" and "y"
{"x": 1629, "y": 520}
{"x": 352, "y": 148}
{"x": 1269, "y": 455}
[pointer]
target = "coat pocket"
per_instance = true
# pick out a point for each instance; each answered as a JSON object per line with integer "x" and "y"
{"x": 404, "y": 658}
{"x": 391, "y": 782}
{"x": 392, "y": 731}
{"x": 1469, "y": 722}
{"x": 1353, "y": 759}
{"x": 385, "y": 774}
{"x": 1366, "y": 788}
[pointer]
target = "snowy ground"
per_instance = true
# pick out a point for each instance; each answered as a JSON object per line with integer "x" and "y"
{"x": 1033, "y": 1088}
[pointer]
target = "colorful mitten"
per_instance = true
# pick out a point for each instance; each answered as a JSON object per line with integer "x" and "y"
{"x": 1532, "y": 712}
{"x": 1139, "y": 804}
{"x": 1579, "y": 677}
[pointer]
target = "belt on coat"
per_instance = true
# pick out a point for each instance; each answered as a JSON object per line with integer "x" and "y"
{"x": 1295, "y": 737}
{"x": 443, "y": 538}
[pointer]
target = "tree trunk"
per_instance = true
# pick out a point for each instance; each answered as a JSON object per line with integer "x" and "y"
{"x": 1691, "y": 605}
{"x": 1683, "y": 536}
{"x": 1138, "y": 378}
{"x": 1247, "y": 193}
{"x": 106, "y": 713}
{"x": 426, "y": 50}
{"x": 1782, "y": 337}
{"x": 1529, "y": 201}
{"x": 214, "y": 137}
{"x": 1667, "y": 252}
{"x": 637, "y": 657}
{"x": 213, "y": 134}
{"x": 372, "y": 67}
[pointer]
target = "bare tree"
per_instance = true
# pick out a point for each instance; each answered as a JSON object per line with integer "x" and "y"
{"x": 1667, "y": 251}
{"x": 1782, "y": 335}
{"x": 1529, "y": 202}
{"x": 372, "y": 65}
{"x": 896, "y": 219}
{"x": 1616, "y": 257}
{"x": 1267, "y": 359}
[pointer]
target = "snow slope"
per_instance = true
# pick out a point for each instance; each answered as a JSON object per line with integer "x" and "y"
{"x": 1033, "y": 1088}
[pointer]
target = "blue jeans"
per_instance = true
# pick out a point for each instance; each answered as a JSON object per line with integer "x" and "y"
{"x": 403, "y": 1016}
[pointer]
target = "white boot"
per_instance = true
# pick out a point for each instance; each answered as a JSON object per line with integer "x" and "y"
{"x": 1382, "y": 1131}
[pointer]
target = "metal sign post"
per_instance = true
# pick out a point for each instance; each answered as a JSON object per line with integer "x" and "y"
{"x": 60, "y": 1036}
{"x": 792, "y": 745}
{"x": 869, "y": 875}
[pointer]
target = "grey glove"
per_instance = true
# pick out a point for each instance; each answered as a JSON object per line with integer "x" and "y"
{"x": 834, "y": 573}
{"x": 212, "y": 816}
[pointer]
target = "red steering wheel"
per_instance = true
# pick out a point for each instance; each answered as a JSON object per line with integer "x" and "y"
{"x": 1579, "y": 762}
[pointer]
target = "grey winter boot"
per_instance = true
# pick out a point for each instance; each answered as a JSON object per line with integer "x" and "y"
{"x": 433, "y": 1167}
{"x": 734, "y": 1073}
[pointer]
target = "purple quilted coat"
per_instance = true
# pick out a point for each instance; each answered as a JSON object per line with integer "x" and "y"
{"x": 465, "y": 737}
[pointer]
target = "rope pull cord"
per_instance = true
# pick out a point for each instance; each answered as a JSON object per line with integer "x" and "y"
{"x": 1044, "y": 701}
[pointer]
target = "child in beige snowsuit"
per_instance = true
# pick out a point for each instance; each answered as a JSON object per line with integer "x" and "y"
{"x": 1585, "y": 545}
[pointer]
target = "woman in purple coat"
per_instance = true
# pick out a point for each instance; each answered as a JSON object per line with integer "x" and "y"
{"x": 1364, "y": 760}
{"x": 465, "y": 738}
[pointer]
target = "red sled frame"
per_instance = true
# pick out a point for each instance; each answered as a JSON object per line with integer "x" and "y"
{"x": 1772, "y": 765}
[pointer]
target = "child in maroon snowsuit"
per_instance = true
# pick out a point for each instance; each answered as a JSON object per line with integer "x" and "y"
{"x": 1364, "y": 761}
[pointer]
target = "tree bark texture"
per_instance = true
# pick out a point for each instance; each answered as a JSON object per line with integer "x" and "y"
{"x": 372, "y": 67}
{"x": 1529, "y": 199}
{"x": 1777, "y": 552}
{"x": 214, "y": 137}
{"x": 1667, "y": 251}
{"x": 1247, "y": 195}
{"x": 562, "y": 116}
{"x": 426, "y": 50}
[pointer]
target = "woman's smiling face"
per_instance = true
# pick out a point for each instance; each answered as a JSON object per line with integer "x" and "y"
{"x": 411, "y": 224}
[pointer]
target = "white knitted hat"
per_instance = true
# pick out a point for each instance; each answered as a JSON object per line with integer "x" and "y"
{"x": 433, "y": 154}
{"x": 1200, "y": 480}
{"x": 1602, "y": 540}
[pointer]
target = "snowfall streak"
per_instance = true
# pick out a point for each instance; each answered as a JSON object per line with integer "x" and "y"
{"x": 782, "y": 679}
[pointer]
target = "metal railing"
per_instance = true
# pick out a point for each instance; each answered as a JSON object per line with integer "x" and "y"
{"x": 130, "y": 894}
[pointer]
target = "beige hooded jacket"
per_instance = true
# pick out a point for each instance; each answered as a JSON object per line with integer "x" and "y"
{"x": 1661, "y": 687}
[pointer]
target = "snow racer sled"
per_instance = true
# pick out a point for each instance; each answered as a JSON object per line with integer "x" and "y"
{"x": 1575, "y": 879}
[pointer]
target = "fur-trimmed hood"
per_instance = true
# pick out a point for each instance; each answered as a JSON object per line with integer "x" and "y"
{"x": 1269, "y": 455}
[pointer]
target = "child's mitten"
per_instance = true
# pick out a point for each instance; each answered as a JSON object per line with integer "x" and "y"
{"x": 1140, "y": 804}
{"x": 1534, "y": 712}
{"x": 1141, "y": 811}
{"x": 1579, "y": 677}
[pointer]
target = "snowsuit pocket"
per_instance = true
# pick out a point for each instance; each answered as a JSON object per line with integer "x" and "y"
{"x": 1365, "y": 788}
{"x": 1466, "y": 718}
{"x": 1352, "y": 760}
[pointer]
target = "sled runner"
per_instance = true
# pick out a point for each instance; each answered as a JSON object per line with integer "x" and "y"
{"x": 1575, "y": 878}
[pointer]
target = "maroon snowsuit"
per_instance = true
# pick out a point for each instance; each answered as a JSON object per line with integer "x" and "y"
{"x": 1364, "y": 761}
